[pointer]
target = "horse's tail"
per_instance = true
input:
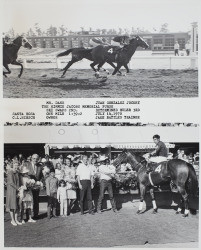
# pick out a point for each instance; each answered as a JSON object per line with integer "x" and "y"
{"x": 192, "y": 181}
{"x": 65, "y": 53}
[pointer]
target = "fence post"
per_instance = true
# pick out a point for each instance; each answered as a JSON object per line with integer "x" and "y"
{"x": 170, "y": 62}
{"x": 193, "y": 62}
{"x": 58, "y": 63}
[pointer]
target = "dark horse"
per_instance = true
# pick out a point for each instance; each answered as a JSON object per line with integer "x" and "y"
{"x": 181, "y": 173}
{"x": 105, "y": 53}
{"x": 10, "y": 52}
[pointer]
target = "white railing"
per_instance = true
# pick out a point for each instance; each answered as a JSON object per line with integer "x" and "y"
{"x": 137, "y": 62}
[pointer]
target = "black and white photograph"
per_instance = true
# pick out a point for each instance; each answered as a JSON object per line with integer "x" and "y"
{"x": 100, "y": 125}
{"x": 90, "y": 49}
{"x": 101, "y": 187}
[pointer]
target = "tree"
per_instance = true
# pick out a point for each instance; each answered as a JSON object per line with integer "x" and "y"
{"x": 52, "y": 31}
{"x": 37, "y": 29}
{"x": 164, "y": 28}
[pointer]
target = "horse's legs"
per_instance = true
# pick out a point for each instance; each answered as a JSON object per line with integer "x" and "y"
{"x": 180, "y": 206}
{"x": 93, "y": 64}
{"x": 184, "y": 195}
{"x": 142, "y": 195}
{"x": 68, "y": 65}
{"x": 153, "y": 200}
{"x": 117, "y": 69}
{"x": 126, "y": 67}
{"x": 21, "y": 70}
{"x": 112, "y": 64}
{"x": 6, "y": 67}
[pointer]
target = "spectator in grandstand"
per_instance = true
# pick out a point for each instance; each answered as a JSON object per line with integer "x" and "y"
{"x": 188, "y": 48}
{"x": 176, "y": 48}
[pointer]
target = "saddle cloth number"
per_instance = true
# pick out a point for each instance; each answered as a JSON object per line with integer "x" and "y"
{"x": 110, "y": 51}
{"x": 158, "y": 169}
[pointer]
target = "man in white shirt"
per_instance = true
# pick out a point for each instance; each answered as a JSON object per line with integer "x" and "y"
{"x": 84, "y": 174}
{"x": 106, "y": 171}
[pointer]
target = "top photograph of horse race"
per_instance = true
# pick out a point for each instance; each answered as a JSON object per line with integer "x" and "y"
{"x": 84, "y": 49}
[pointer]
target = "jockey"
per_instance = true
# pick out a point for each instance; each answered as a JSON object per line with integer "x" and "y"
{"x": 160, "y": 154}
{"x": 94, "y": 42}
{"x": 120, "y": 41}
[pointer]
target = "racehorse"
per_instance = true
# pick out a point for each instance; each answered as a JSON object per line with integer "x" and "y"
{"x": 77, "y": 55}
{"x": 181, "y": 173}
{"x": 122, "y": 56}
{"x": 102, "y": 54}
{"x": 10, "y": 52}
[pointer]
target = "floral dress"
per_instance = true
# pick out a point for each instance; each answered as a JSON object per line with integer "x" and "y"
{"x": 70, "y": 182}
{"x": 26, "y": 196}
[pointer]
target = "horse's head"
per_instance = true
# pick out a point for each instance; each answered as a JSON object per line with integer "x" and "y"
{"x": 139, "y": 41}
{"x": 22, "y": 41}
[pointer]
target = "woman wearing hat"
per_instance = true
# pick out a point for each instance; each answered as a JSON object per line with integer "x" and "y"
{"x": 11, "y": 193}
{"x": 26, "y": 196}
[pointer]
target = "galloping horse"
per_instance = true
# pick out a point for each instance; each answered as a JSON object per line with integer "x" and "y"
{"x": 102, "y": 54}
{"x": 181, "y": 173}
{"x": 122, "y": 57}
{"x": 10, "y": 52}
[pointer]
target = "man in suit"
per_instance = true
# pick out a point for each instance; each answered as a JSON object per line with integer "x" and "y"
{"x": 35, "y": 172}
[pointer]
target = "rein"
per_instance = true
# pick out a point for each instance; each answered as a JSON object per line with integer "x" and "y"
{"x": 140, "y": 163}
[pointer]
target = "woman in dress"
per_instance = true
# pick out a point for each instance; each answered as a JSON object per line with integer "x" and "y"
{"x": 70, "y": 183}
{"x": 11, "y": 194}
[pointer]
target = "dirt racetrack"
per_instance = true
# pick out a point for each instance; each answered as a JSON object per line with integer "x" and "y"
{"x": 104, "y": 230}
{"x": 81, "y": 83}
{"x": 109, "y": 229}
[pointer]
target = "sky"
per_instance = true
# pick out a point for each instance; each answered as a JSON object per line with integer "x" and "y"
{"x": 148, "y": 14}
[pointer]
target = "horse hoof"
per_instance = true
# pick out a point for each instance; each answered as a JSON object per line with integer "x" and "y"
{"x": 104, "y": 79}
{"x": 185, "y": 215}
{"x": 155, "y": 211}
{"x": 139, "y": 211}
{"x": 62, "y": 76}
{"x": 19, "y": 76}
{"x": 97, "y": 75}
{"x": 177, "y": 212}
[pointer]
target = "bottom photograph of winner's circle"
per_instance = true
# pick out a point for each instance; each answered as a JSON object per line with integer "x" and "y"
{"x": 103, "y": 193}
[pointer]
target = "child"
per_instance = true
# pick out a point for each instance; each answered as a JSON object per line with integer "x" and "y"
{"x": 51, "y": 189}
{"x": 62, "y": 198}
{"x": 58, "y": 172}
{"x": 26, "y": 197}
